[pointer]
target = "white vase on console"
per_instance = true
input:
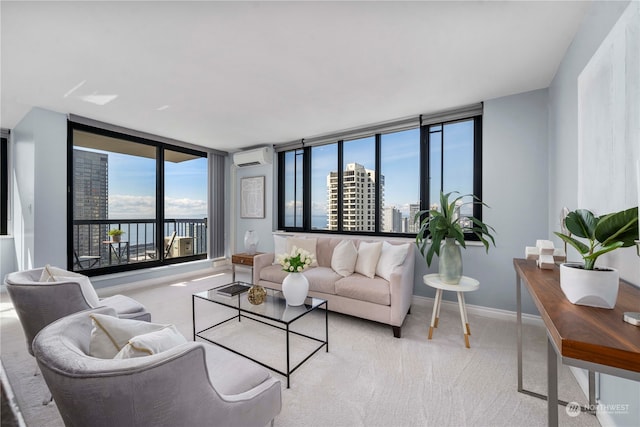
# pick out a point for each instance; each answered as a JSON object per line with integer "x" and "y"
{"x": 251, "y": 241}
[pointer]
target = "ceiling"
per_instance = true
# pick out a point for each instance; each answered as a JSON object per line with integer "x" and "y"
{"x": 230, "y": 75}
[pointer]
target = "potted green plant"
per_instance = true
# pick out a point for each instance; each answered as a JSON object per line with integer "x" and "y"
{"x": 115, "y": 234}
{"x": 587, "y": 284}
{"x": 440, "y": 229}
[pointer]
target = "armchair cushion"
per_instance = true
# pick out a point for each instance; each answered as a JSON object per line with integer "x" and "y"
{"x": 111, "y": 334}
{"x": 151, "y": 343}
{"x": 55, "y": 274}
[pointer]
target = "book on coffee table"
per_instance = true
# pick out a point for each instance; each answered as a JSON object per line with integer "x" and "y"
{"x": 233, "y": 289}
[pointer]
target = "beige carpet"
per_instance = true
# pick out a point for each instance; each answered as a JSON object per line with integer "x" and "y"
{"x": 368, "y": 377}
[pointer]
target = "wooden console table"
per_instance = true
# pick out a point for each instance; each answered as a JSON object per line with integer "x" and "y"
{"x": 595, "y": 339}
{"x": 243, "y": 259}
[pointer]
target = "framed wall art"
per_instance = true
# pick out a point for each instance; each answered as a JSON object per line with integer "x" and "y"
{"x": 252, "y": 197}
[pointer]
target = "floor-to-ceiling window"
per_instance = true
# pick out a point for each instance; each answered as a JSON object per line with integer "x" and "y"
{"x": 134, "y": 202}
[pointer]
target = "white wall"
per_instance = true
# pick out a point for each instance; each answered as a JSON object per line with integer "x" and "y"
{"x": 39, "y": 189}
{"x": 264, "y": 226}
{"x": 563, "y": 182}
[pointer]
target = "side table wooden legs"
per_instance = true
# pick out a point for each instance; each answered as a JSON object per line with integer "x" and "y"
{"x": 435, "y": 316}
{"x": 436, "y": 312}
{"x": 463, "y": 317}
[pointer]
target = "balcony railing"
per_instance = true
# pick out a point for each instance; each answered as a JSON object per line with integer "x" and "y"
{"x": 93, "y": 248}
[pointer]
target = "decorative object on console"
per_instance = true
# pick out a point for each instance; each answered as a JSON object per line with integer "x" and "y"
{"x": 585, "y": 284}
{"x": 295, "y": 286}
{"x": 115, "y": 234}
{"x": 251, "y": 241}
{"x": 256, "y": 295}
{"x": 449, "y": 226}
{"x": 545, "y": 254}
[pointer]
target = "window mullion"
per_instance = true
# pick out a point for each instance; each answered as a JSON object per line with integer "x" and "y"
{"x": 340, "y": 184}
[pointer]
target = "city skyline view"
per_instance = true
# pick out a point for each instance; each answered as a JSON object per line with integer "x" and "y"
{"x": 132, "y": 181}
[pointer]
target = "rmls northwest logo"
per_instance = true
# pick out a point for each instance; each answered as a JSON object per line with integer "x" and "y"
{"x": 573, "y": 408}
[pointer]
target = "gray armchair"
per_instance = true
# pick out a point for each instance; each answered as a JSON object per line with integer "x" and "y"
{"x": 40, "y": 303}
{"x": 193, "y": 384}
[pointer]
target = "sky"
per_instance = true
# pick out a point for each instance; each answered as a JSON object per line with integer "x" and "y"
{"x": 132, "y": 187}
{"x": 400, "y": 164}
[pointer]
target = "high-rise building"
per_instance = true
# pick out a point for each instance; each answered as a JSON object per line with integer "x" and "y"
{"x": 359, "y": 198}
{"x": 413, "y": 226}
{"x": 392, "y": 219}
{"x": 90, "y": 200}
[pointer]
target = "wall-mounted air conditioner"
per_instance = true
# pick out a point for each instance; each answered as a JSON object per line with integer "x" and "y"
{"x": 258, "y": 156}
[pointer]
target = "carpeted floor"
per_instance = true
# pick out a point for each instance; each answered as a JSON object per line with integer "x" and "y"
{"x": 368, "y": 377}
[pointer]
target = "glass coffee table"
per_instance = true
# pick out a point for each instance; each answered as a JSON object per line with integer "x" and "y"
{"x": 273, "y": 312}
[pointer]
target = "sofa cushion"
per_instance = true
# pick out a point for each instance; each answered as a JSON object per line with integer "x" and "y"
{"x": 343, "y": 260}
{"x": 324, "y": 250}
{"x": 322, "y": 279}
{"x": 308, "y": 245}
{"x": 360, "y": 287}
{"x": 390, "y": 257}
{"x": 279, "y": 246}
{"x": 368, "y": 255}
{"x": 273, "y": 273}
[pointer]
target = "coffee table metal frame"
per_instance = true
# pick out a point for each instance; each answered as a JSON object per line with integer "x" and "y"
{"x": 273, "y": 296}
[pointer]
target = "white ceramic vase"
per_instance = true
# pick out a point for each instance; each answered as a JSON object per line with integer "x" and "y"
{"x": 295, "y": 288}
{"x": 594, "y": 288}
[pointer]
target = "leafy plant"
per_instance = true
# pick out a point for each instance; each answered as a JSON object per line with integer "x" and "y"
{"x": 116, "y": 232}
{"x": 447, "y": 223}
{"x": 296, "y": 261}
{"x": 604, "y": 233}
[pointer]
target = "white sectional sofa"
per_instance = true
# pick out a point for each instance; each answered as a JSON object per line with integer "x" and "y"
{"x": 383, "y": 297}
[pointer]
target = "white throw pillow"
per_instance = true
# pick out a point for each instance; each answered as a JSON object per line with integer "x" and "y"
{"x": 110, "y": 334}
{"x": 151, "y": 343}
{"x": 343, "y": 260}
{"x": 279, "y": 246}
{"x": 368, "y": 255}
{"x": 308, "y": 245}
{"x": 56, "y": 274}
{"x": 391, "y": 257}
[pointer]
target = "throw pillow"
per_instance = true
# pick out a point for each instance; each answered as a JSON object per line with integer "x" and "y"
{"x": 151, "y": 343}
{"x": 368, "y": 255}
{"x": 343, "y": 260}
{"x": 308, "y": 245}
{"x": 55, "y": 274}
{"x": 110, "y": 334}
{"x": 279, "y": 246}
{"x": 391, "y": 257}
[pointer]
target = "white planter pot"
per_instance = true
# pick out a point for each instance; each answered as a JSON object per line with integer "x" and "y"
{"x": 295, "y": 288}
{"x": 594, "y": 288}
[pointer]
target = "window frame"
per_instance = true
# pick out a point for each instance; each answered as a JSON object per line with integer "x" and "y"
{"x": 424, "y": 191}
{"x": 4, "y": 184}
{"x": 160, "y": 148}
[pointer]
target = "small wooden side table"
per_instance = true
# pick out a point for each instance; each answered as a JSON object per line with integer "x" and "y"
{"x": 243, "y": 259}
{"x": 467, "y": 284}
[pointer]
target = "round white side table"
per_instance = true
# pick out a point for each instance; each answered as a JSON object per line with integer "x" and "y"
{"x": 467, "y": 284}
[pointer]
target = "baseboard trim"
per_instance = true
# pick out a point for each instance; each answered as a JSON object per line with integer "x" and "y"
{"x": 477, "y": 310}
